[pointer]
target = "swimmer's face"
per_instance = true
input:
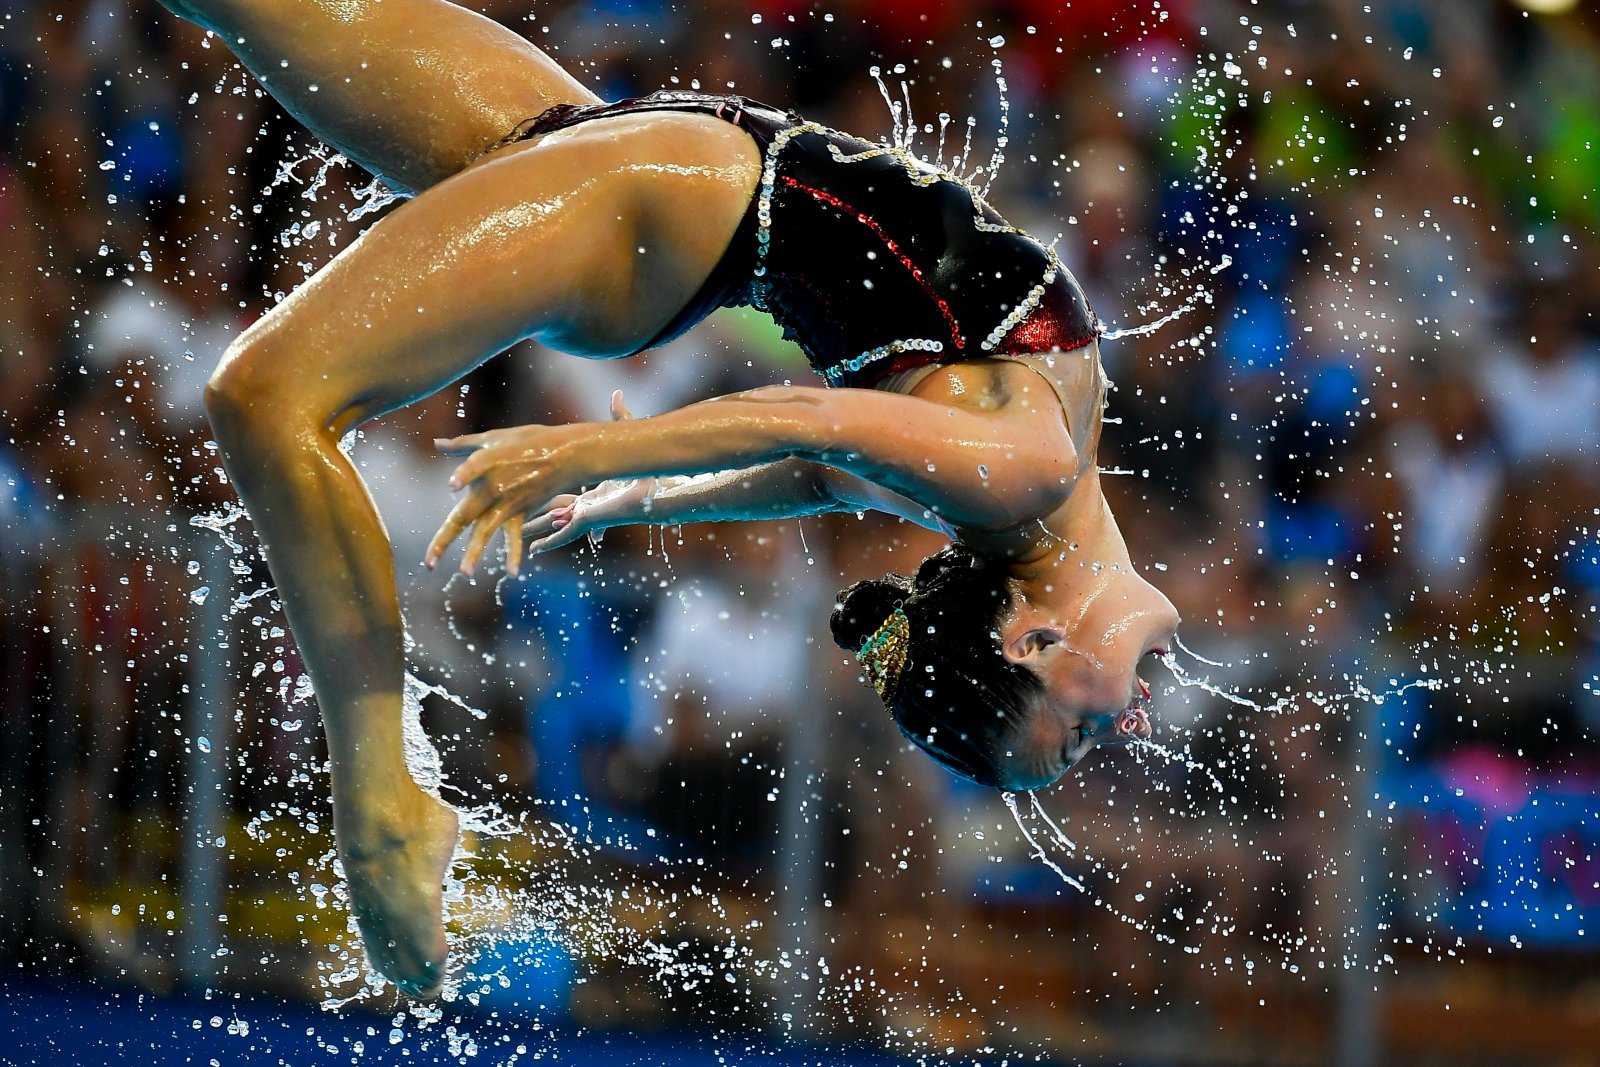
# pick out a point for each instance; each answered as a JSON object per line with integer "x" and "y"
{"x": 1089, "y": 646}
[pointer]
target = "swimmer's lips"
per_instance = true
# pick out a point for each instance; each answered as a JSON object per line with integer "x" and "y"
{"x": 1133, "y": 724}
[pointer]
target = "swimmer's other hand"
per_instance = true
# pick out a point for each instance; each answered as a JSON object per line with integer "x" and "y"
{"x": 618, "y": 502}
{"x": 511, "y": 475}
{"x": 614, "y": 502}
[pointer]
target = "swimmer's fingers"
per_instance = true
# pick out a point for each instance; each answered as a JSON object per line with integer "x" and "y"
{"x": 460, "y": 517}
{"x": 465, "y": 445}
{"x": 484, "y": 511}
{"x": 554, "y": 517}
{"x": 502, "y": 510}
{"x": 512, "y": 529}
{"x": 483, "y": 531}
{"x": 557, "y": 529}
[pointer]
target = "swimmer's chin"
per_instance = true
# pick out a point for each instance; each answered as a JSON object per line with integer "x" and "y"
{"x": 1035, "y": 785}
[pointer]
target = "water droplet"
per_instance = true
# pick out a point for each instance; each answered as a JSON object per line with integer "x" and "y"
{"x": 199, "y": 595}
{"x": 203, "y": 743}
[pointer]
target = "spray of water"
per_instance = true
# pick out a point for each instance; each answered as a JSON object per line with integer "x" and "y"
{"x": 587, "y": 905}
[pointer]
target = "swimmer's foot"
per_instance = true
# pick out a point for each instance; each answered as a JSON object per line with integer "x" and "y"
{"x": 395, "y": 866}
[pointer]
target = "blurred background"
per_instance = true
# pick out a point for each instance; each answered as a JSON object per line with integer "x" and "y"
{"x": 1361, "y": 458}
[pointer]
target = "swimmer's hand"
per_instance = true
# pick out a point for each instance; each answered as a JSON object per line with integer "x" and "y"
{"x": 509, "y": 475}
{"x": 618, "y": 502}
{"x": 614, "y": 502}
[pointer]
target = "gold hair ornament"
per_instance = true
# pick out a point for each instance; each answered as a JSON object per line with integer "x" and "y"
{"x": 884, "y": 653}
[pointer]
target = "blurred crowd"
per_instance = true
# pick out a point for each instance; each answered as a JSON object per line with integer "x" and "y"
{"x": 1363, "y": 451}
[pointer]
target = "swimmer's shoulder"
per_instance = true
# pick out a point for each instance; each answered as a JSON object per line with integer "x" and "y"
{"x": 981, "y": 384}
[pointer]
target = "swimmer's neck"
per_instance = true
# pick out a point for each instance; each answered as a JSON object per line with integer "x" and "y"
{"x": 1058, "y": 549}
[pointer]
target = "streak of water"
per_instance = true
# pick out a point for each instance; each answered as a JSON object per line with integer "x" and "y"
{"x": 1038, "y": 849}
{"x": 1059, "y": 838}
{"x": 1002, "y": 138}
{"x": 1148, "y": 328}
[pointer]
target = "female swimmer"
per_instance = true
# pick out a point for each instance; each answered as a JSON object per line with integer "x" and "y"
{"x": 965, "y": 360}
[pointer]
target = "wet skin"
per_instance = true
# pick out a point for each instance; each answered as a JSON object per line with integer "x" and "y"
{"x": 980, "y": 449}
{"x": 545, "y": 238}
{"x": 1083, "y": 620}
{"x": 542, "y": 239}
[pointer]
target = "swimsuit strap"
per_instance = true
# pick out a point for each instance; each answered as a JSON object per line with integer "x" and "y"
{"x": 761, "y": 120}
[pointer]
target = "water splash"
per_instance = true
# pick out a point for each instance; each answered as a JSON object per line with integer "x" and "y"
{"x": 903, "y": 128}
{"x": 1003, "y": 137}
{"x": 897, "y": 131}
{"x": 1234, "y": 819}
{"x": 1038, "y": 850}
{"x": 374, "y": 197}
{"x": 1146, "y": 329}
{"x": 1059, "y": 838}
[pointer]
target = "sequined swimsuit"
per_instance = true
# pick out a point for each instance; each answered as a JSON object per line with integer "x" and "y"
{"x": 869, "y": 258}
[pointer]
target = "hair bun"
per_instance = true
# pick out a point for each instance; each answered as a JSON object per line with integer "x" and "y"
{"x": 954, "y": 562}
{"x": 864, "y": 606}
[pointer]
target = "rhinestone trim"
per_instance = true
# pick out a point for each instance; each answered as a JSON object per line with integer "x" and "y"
{"x": 835, "y": 374}
{"x": 1024, "y": 308}
{"x": 769, "y": 181}
{"x": 922, "y": 173}
{"x": 919, "y": 171}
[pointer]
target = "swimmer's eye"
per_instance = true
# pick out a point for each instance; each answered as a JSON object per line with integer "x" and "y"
{"x": 1082, "y": 739}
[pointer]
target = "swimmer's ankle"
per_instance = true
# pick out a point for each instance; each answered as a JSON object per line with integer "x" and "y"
{"x": 395, "y": 822}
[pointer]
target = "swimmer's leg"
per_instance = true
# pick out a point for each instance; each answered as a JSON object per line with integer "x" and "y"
{"x": 413, "y": 90}
{"x": 544, "y": 241}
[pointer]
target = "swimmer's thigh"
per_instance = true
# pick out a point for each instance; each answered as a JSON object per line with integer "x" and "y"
{"x": 591, "y": 242}
{"x": 413, "y": 90}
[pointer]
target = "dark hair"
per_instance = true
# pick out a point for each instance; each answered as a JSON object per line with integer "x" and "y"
{"x": 958, "y": 698}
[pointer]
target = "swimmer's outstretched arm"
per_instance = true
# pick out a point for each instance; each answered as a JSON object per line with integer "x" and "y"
{"x": 970, "y": 467}
{"x": 788, "y": 489}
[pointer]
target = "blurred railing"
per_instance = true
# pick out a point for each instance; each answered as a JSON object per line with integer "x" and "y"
{"x": 118, "y": 716}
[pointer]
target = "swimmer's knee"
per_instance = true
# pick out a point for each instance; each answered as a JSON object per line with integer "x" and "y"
{"x": 233, "y": 390}
{"x": 253, "y": 392}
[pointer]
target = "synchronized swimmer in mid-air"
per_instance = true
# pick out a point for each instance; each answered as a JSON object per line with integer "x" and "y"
{"x": 960, "y": 358}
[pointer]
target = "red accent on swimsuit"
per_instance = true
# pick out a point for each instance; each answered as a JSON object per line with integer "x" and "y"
{"x": 890, "y": 243}
{"x": 814, "y": 260}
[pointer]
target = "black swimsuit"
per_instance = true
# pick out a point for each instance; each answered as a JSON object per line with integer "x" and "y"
{"x": 872, "y": 260}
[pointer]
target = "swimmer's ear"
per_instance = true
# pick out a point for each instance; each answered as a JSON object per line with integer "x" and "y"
{"x": 619, "y": 407}
{"x": 1026, "y": 645}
